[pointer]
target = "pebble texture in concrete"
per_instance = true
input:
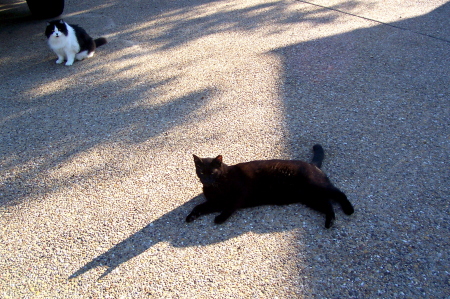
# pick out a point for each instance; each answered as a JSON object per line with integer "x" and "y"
{"x": 97, "y": 175}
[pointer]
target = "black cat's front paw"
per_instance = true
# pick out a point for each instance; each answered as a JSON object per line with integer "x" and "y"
{"x": 191, "y": 217}
{"x": 220, "y": 219}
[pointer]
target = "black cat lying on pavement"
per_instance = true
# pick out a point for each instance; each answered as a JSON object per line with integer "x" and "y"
{"x": 279, "y": 182}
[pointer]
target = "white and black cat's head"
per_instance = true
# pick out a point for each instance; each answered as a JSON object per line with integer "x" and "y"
{"x": 209, "y": 170}
{"x": 56, "y": 29}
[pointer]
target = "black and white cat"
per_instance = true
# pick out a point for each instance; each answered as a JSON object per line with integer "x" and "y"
{"x": 71, "y": 42}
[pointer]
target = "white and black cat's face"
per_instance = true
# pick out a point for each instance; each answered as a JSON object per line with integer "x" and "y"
{"x": 56, "y": 30}
{"x": 208, "y": 170}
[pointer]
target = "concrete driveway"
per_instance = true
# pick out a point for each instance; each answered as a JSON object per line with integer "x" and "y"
{"x": 96, "y": 168}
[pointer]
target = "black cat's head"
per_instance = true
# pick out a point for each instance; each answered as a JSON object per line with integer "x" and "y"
{"x": 209, "y": 170}
{"x": 56, "y": 29}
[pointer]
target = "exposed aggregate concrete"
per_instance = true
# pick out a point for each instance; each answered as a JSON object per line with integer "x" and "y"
{"x": 97, "y": 175}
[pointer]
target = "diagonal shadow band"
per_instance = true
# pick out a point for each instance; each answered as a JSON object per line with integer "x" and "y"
{"x": 172, "y": 228}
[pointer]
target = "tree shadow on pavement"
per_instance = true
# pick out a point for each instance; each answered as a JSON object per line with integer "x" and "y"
{"x": 50, "y": 113}
{"x": 77, "y": 129}
{"x": 389, "y": 99}
{"x": 350, "y": 92}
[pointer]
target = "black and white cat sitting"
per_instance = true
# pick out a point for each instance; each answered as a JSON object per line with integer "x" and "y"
{"x": 278, "y": 182}
{"x": 71, "y": 42}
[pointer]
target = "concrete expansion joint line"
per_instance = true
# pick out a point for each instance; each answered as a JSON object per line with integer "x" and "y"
{"x": 379, "y": 22}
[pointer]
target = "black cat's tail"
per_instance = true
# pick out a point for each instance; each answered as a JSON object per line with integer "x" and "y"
{"x": 318, "y": 155}
{"x": 100, "y": 41}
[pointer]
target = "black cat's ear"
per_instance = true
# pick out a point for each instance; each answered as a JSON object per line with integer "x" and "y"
{"x": 218, "y": 159}
{"x": 197, "y": 160}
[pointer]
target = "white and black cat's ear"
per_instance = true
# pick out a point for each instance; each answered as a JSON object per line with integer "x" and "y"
{"x": 61, "y": 21}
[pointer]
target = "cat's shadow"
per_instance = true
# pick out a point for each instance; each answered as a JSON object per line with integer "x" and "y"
{"x": 173, "y": 229}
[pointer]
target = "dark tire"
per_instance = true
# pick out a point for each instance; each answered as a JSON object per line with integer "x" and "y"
{"x": 46, "y": 8}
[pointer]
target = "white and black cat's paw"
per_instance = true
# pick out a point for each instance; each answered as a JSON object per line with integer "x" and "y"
{"x": 60, "y": 60}
{"x": 69, "y": 62}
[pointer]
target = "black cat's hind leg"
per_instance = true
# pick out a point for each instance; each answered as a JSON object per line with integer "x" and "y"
{"x": 346, "y": 205}
{"x": 329, "y": 214}
{"x": 322, "y": 203}
{"x": 201, "y": 209}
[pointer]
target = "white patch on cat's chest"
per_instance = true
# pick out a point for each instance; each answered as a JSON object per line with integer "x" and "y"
{"x": 57, "y": 39}
{"x": 67, "y": 43}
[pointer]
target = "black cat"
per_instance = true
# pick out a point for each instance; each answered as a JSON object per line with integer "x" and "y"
{"x": 279, "y": 182}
